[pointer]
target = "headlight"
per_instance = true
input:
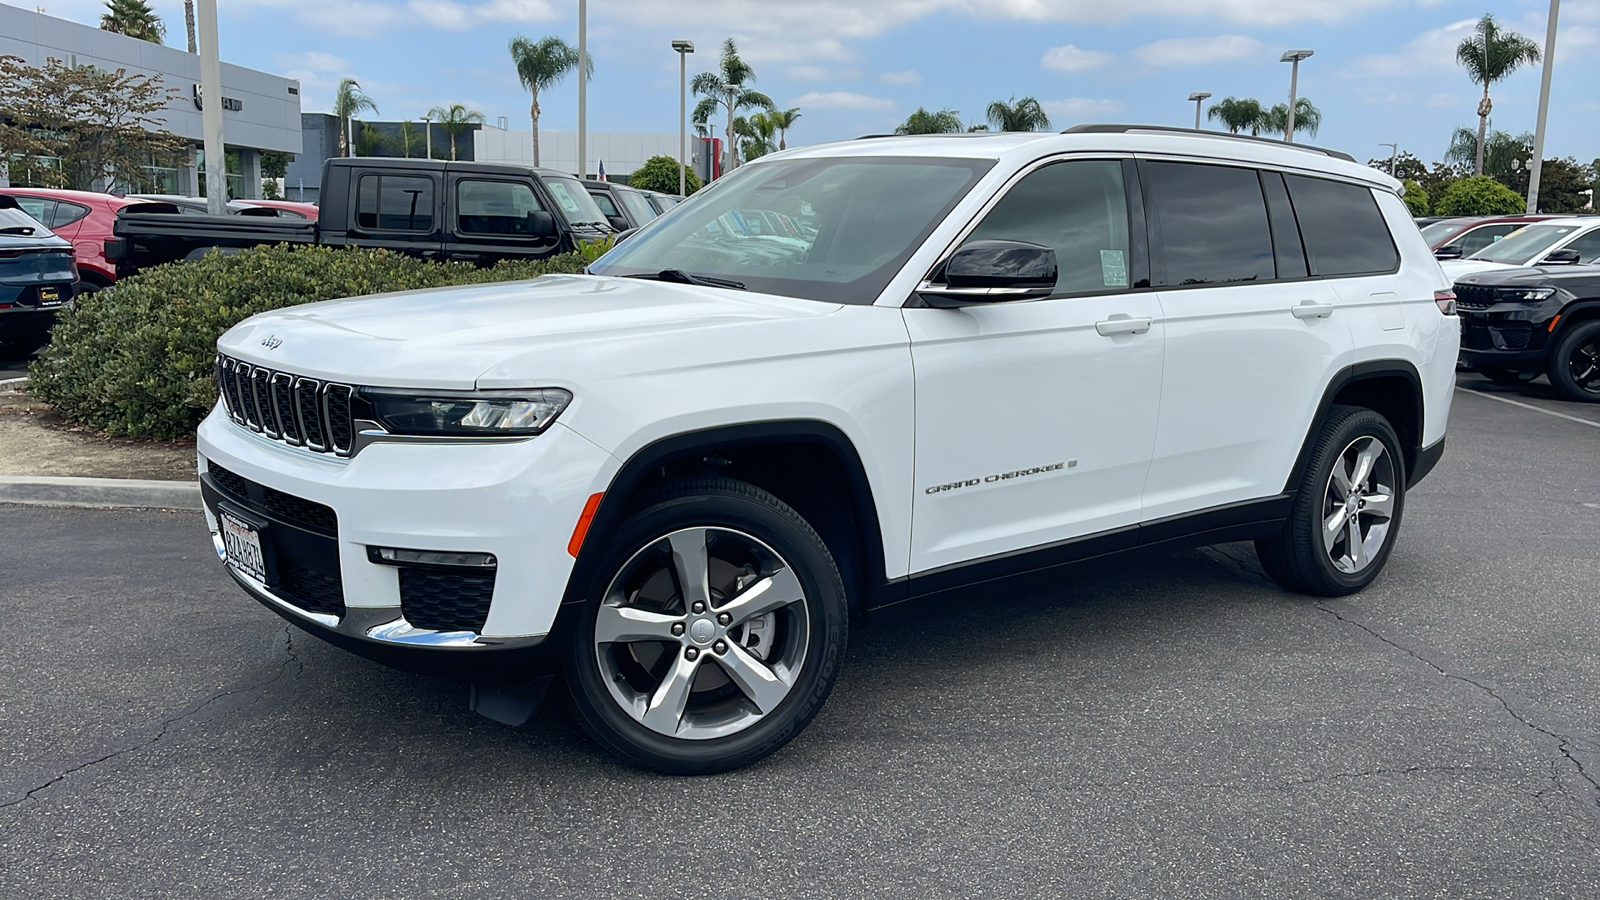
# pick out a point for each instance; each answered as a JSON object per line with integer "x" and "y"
{"x": 467, "y": 413}
{"x": 1526, "y": 295}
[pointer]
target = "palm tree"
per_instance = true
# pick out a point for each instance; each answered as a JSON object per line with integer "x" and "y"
{"x": 370, "y": 141}
{"x": 540, "y": 66}
{"x": 712, "y": 87}
{"x": 410, "y": 138}
{"x": 1018, "y": 115}
{"x": 783, "y": 120}
{"x": 1238, "y": 115}
{"x": 1500, "y": 152}
{"x": 1491, "y": 55}
{"x": 454, "y": 119}
{"x": 188, "y": 24}
{"x": 133, "y": 18}
{"x": 945, "y": 121}
{"x": 1307, "y": 118}
{"x": 347, "y": 102}
{"x": 755, "y": 134}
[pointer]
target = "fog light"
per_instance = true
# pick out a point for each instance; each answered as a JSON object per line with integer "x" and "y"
{"x": 391, "y": 556}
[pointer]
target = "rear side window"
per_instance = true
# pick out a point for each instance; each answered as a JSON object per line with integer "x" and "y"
{"x": 1211, "y": 222}
{"x": 395, "y": 203}
{"x": 1344, "y": 231}
{"x": 67, "y": 213}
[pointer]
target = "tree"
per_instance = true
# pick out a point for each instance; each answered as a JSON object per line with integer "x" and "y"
{"x": 1238, "y": 115}
{"x": 454, "y": 119}
{"x": 1416, "y": 198}
{"x": 1489, "y": 55}
{"x": 188, "y": 24}
{"x": 1403, "y": 166}
{"x": 370, "y": 141}
{"x": 945, "y": 121}
{"x": 1479, "y": 195}
{"x": 755, "y": 135}
{"x": 1499, "y": 155}
{"x": 275, "y": 163}
{"x": 133, "y": 18}
{"x": 410, "y": 139}
{"x": 540, "y": 66}
{"x": 102, "y": 128}
{"x": 1018, "y": 115}
{"x": 349, "y": 100}
{"x": 1562, "y": 183}
{"x": 783, "y": 120}
{"x": 712, "y": 88}
{"x": 660, "y": 173}
{"x": 1307, "y": 118}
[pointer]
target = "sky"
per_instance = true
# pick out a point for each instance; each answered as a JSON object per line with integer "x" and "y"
{"x": 1384, "y": 70}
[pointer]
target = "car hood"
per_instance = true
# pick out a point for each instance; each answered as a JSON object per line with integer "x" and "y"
{"x": 448, "y": 337}
{"x": 1455, "y": 268}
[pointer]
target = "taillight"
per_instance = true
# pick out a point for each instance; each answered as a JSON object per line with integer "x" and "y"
{"x": 1446, "y": 301}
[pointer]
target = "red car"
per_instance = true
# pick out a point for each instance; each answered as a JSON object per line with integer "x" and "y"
{"x": 82, "y": 217}
{"x": 1461, "y": 237}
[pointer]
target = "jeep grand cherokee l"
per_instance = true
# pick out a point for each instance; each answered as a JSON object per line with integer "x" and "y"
{"x": 674, "y": 478}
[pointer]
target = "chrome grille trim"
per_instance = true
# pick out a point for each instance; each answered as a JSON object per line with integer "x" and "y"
{"x": 294, "y": 410}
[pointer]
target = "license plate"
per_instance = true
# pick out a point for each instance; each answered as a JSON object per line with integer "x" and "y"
{"x": 49, "y": 295}
{"x": 243, "y": 545}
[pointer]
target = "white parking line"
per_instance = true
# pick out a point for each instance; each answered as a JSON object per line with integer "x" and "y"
{"x": 1531, "y": 406}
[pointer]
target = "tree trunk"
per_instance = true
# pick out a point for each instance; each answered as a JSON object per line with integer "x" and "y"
{"x": 533, "y": 113}
{"x": 782, "y": 143}
{"x": 188, "y": 21}
{"x": 1483, "y": 124}
{"x": 343, "y": 149}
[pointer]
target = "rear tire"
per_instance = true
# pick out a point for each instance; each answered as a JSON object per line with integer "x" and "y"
{"x": 712, "y": 632}
{"x": 1574, "y": 365}
{"x": 1347, "y": 507}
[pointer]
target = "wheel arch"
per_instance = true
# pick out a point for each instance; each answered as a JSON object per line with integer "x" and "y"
{"x": 809, "y": 464}
{"x": 1573, "y": 315}
{"x": 1390, "y": 387}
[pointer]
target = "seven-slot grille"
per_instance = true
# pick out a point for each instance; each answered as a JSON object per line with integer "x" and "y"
{"x": 301, "y": 412}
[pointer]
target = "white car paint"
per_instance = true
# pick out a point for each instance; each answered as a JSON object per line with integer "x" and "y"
{"x": 1210, "y": 405}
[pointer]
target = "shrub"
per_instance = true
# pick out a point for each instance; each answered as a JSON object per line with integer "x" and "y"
{"x": 136, "y": 360}
{"x": 1416, "y": 198}
{"x": 1479, "y": 195}
{"x": 660, "y": 173}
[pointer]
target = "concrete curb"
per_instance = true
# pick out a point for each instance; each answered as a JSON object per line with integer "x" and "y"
{"x": 99, "y": 493}
{"x": 7, "y": 382}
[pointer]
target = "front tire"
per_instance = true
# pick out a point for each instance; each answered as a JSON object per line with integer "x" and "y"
{"x": 712, "y": 632}
{"x": 1346, "y": 511}
{"x": 1574, "y": 367}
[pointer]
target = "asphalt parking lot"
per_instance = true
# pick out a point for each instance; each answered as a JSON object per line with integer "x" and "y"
{"x": 13, "y": 365}
{"x": 1165, "y": 726}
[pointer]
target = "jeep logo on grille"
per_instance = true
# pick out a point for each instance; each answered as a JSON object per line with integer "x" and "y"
{"x": 272, "y": 342}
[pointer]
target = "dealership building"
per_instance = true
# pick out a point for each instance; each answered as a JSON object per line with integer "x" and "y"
{"x": 261, "y": 112}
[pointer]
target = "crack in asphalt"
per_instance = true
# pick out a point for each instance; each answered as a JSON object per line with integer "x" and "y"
{"x": 166, "y": 725}
{"x": 1564, "y": 742}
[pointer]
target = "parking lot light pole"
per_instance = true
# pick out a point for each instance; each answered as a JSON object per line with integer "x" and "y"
{"x": 684, "y": 48}
{"x": 427, "y": 127}
{"x": 1544, "y": 108}
{"x": 1394, "y": 152}
{"x": 1294, "y": 57}
{"x": 211, "y": 110}
{"x": 583, "y": 94}
{"x": 733, "y": 91}
{"x": 1198, "y": 96}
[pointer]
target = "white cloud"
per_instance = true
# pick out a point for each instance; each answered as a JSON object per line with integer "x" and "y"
{"x": 312, "y": 61}
{"x": 1072, "y": 59}
{"x": 362, "y": 18}
{"x": 819, "y": 73}
{"x": 1080, "y": 107}
{"x": 1434, "y": 49}
{"x": 1199, "y": 51}
{"x": 909, "y": 76}
{"x": 840, "y": 100}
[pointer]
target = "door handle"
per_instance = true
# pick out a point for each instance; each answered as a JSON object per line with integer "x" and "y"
{"x": 1122, "y": 323}
{"x": 1311, "y": 310}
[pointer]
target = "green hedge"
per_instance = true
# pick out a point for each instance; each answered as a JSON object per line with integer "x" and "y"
{"x": 1479, "y": 195}
{"x": 136, "y": 360}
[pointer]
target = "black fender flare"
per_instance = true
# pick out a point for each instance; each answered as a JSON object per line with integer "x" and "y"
{"x": 1354, "y": 374}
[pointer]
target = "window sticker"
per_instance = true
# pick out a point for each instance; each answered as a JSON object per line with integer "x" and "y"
{"x": 1113, "y": 268}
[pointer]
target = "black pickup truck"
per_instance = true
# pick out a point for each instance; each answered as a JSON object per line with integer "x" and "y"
{"x": 477, "y": 212}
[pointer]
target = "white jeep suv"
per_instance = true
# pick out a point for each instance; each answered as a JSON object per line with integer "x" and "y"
{"x": 842, "y": 377}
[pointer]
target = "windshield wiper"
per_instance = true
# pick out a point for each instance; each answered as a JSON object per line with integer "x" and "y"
{"x": 679, "y": 276}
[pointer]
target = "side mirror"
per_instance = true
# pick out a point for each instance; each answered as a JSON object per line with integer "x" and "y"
{"x": 993, "y": 271}
{"x": 618, "y": 223}
{"x": 1448, "y": 251}
{"x": 1564, "y": 257}
{"x": 541, "y": 223}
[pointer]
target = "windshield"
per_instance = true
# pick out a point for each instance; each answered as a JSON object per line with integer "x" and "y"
{"x": 638, "y": 205}
{"x": 1522, "y": 245}
{"x": 1438, "y": 231}
{"x": 575, "y": 202}
{"x": 834, "y": 229}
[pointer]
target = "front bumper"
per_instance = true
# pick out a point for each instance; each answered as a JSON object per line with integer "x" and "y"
{"x": 320, "y": 515}
{"x": 1510, "y": 336}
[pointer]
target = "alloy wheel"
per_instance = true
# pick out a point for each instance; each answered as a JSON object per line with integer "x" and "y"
{"x": 1584, "y": 366}
{"x": 702, "y": 633}
{"x": 1358, "y": 505}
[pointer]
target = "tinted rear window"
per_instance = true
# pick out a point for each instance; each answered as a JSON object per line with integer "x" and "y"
{"x": 1212, "y": 223}
{"x": 1343, "y": 229}
{"x": 395, "y": 203}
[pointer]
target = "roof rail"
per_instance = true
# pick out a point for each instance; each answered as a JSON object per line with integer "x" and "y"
{"x": 943, "y": 134}
{"x": 1171, "y": 129}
